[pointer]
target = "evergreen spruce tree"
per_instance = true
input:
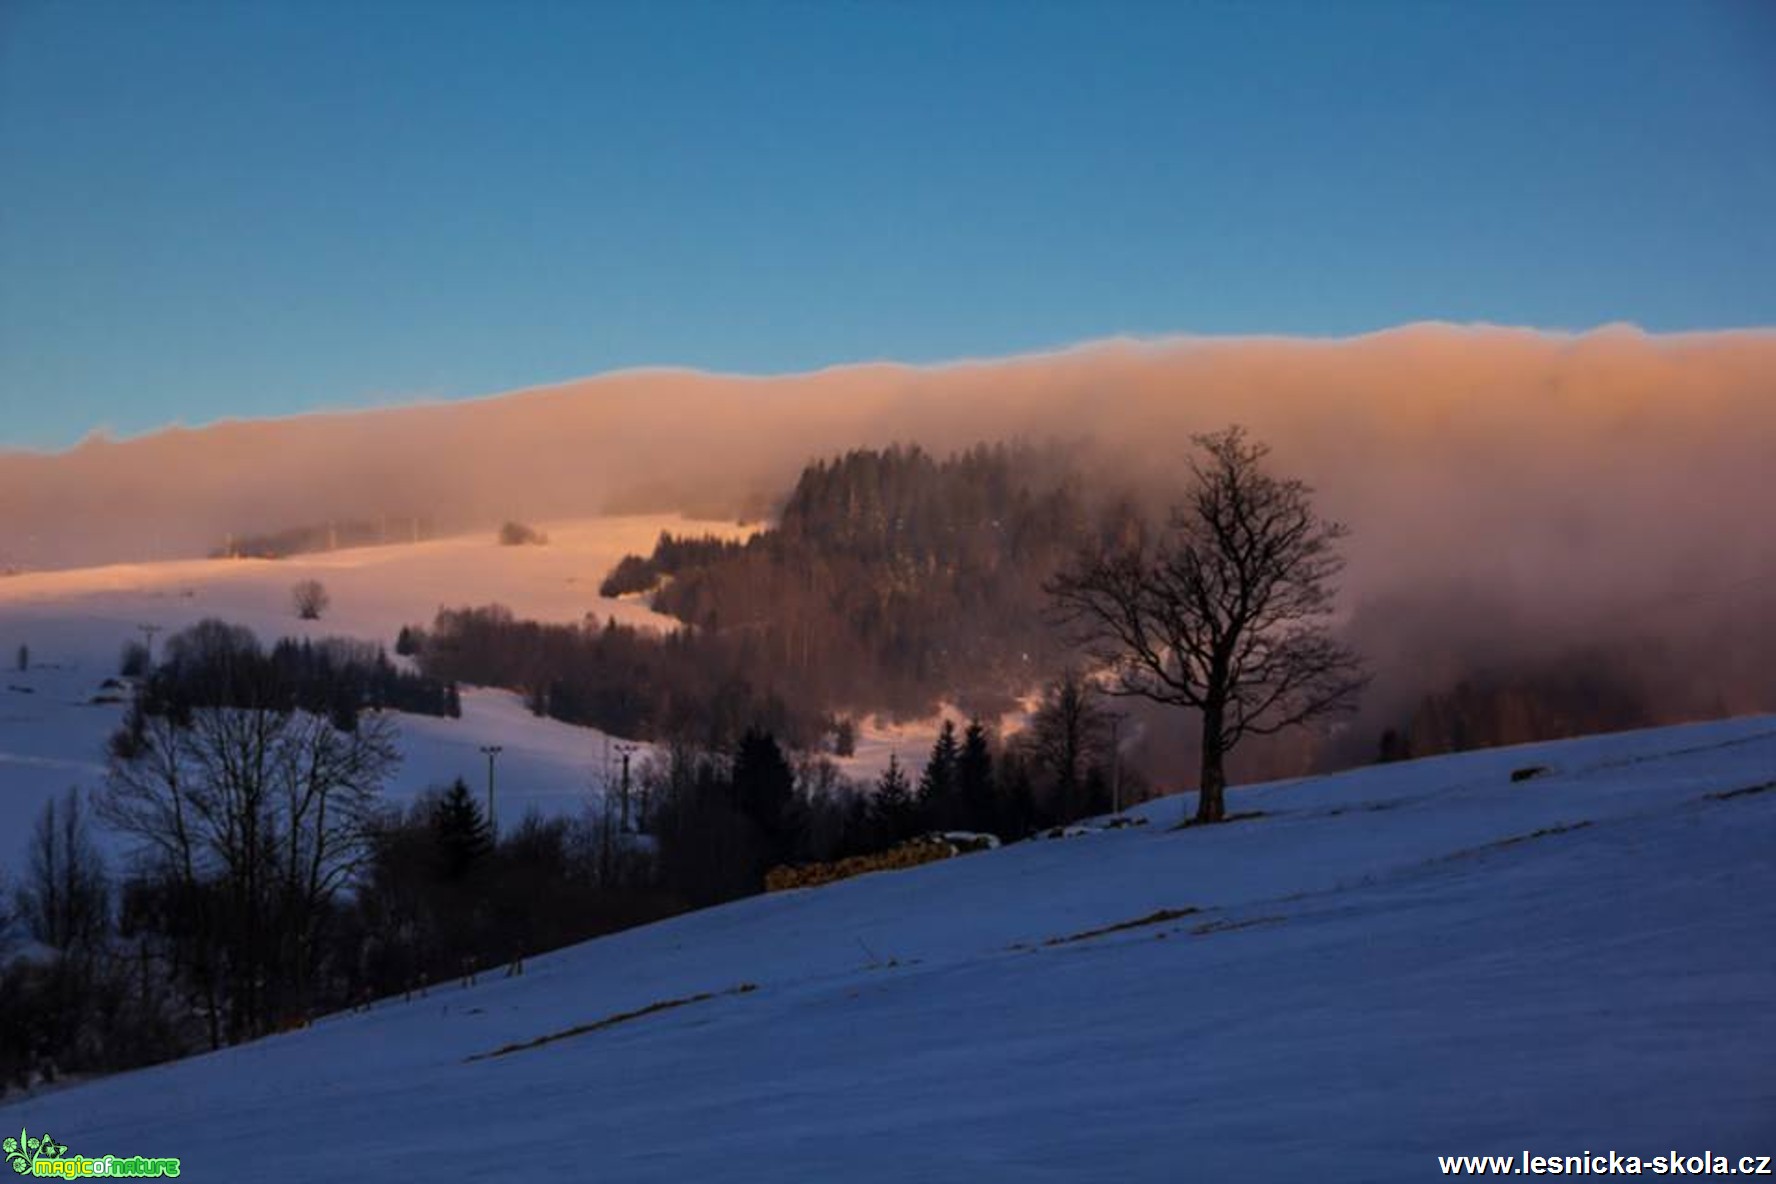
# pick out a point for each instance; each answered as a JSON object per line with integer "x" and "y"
{"x": 1016, "y": 804}
{"x": 938, "y": 786}
{"x": 895, "y": 813}
{"x": 461, "y": 833}
{"x": 764, "y": 790}
{"x": 974, "y": 780}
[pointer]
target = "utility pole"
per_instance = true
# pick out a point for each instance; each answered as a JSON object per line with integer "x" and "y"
{"x": 148, "y": 632}
{"x": 623, "y": 750}
{"x": 491, "y": 751}
{"x": 1116, "y": 765}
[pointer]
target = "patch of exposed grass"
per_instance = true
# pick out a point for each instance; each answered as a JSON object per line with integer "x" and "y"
{"x": 1161, "y": 917}
{"x": 611, "y": 1021}
{"x": 1366, "y": 808}
{"x": 1242, "y": 816}
{"x": 1156, "y": 918}
{"x": 1729, "y": 794}
{"x": 1229, "y": 925}
{"x": 1514, "y": 840}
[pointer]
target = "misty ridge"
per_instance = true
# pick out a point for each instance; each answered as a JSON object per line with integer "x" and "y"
{"x": 1533, "y": 515}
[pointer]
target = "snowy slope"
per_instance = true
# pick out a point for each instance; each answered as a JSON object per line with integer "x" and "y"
{"x": 76, "y": 623}
{"x": 1387, "y": 965}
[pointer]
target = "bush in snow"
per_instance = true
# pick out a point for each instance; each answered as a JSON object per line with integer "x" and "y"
{"x": 310, "y": 599}
{"x": 517, "y": 534}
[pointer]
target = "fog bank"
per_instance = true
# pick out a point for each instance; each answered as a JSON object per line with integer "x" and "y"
{"x": 1511, "y": 480}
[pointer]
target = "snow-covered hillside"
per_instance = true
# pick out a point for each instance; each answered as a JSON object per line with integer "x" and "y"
{"x": 1379, "y": 967}
{"x": 75, "y": 624}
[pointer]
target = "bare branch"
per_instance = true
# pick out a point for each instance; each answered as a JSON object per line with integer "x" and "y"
{"x": 1226, "y": 611}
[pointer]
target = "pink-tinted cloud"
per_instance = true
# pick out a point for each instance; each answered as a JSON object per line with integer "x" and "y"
{"x": 1582, "y": 474}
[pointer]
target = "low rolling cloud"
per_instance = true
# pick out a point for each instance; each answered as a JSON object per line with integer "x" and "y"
{"x": 1498, "y": 482}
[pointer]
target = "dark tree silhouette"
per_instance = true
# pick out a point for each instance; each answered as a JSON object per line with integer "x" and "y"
{"x": 310, "y": 599}
{"x": 895, "y": 813}
{"x": 844, "y": 736}
{"x": 938, "y": 797}
{"x": 974, "y": 779}
{"x": 215, "y": 664}
{"x": 519, "y": 534}
{"x": 1015, "y": 805}
{"x": 65, "y": 898}
{"x": 764, "y": 788}
{"x": 1067, "y": 738}
{"x": 460, "y": 832}
{"x": 264, "y": 817}
{"x": 1224, "y": 610}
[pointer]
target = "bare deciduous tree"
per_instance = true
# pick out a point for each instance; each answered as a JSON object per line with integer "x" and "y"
{"x": 1225, "y": 610}
{"x": 260, "y": 818}
{"x": 65, "y": 898}
{"x": 1068, "y": 734}
{"x": 310, "y": 599}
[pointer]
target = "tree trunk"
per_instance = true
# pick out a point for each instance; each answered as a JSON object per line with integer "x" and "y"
{"x": 1211, "y": 803}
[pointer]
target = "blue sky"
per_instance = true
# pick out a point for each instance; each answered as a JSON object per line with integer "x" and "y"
{"x": 227, "y": 209}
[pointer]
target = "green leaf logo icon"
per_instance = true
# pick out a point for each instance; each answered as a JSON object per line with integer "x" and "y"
{"x": 23, "y": 1152}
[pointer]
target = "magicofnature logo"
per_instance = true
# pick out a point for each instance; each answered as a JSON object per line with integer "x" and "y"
{"x": 44, "y": 1156}
{"x": 24, "y": 1152}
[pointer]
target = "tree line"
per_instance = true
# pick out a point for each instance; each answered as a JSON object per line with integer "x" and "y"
{"x": 326, "y": 536}
{"x": 1566, "y": 694}
{"x": 702, "y": 689}
{"x": 893, "y": 580}
{"x": 216, "y": 664}
{"x": 269, "y": 882}
{"x": 721, "y": 821}
{"x": 671, "y": 555}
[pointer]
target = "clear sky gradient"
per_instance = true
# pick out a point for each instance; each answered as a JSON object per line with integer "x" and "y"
{"x": 216, "y": 209}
